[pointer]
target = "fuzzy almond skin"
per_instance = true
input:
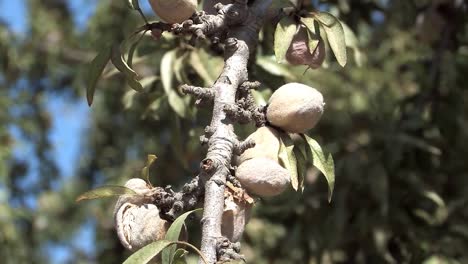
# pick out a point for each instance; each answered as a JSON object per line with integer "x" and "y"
{"x": 295, "y": 107}
{"x": 137, "y": 221}
{"x": 174, "y": 11}
{"x": 263, "y": 177}
{"x": 235, "y": 217}
{"x": 145, "y": 226}
{"x": 267, "y": 145}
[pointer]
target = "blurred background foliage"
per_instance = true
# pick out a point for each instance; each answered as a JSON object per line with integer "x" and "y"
{"x": 397, "y": 128}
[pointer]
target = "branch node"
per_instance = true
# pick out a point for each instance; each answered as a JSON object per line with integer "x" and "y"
{"x": 227, "y": 250}
{"x": 245, "y": 86}
{"x": 240, "y": 147}
{"x": 207, "y": 165}
{"x": 203, "y": 140}
{"x": 231, "y": 44}
{"x": 199, "y": 92}
{"x": 237, "y": 113}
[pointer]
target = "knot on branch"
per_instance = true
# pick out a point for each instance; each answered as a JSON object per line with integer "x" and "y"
{"x": 246, "y": 86}
{"x": 203, "y": 95}
{"x": 238, "y": 114}
{"x": 242, "y": 146}
{"x": 172, "y": 204}
{"x": 227, "y": 250}
{"x": 245, "y": 109}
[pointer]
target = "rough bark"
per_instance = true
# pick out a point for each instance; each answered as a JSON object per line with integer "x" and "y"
{"x": 241, "y": 24}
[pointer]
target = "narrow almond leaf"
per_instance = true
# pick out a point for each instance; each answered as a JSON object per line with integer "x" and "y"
{"x": 145, "y": 171}
{"x": 105, "y": 191}
{"x": 177, "y": 103}
{"x": 335, "y": 35}
{"x": 95, "y": 69}
{"x": 284, "y": 34}
{"x": 352, "y": 43}
{"x": 173, "y": 234}
{"x": 288, "y": 158}
{"x": 196, "y": 63}
{"x": 274, "y": 68}
{"x": 301, "y": 167}
{"x": 313, "y": 32}
{"x": 322, "y": 162}
{"x": 179, "y": 256}
{"x": 148, "y": 252}
{"x": 122, "y": 66}
{"x": 132, "y": 49}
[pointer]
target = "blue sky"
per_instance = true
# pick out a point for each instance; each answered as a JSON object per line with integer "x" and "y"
{"x": 69, "y": 121}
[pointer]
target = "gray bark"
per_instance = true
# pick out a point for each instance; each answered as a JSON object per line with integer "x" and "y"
{"x": 241, "y": 41}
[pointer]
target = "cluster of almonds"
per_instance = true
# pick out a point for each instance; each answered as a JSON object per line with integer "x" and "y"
{"x": 293, "y": 108}
{"x": 138, "y": 221}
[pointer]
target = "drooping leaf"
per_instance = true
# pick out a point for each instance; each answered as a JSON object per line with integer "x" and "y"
{"x": 119, "y": 62}
{"x": 95, "y": 69}
{"x": 145, "y": 171}
{"x": 179, "y": 256}
{"x": 180, "y": 68}
{"x": 173, "y": 234}
{"x": 105, "y": 191}
{"x": 301, "y": 167}
{"x": 313, "y": 32}
{"x": 288, "y": 158}
{"x": 352, "y": 43}
{"x": 284, "y": 34}
{"x": 322, "y": 162}
{"x": 132, "y": 49}
{"x": 148, "y": 252}
{"x": 177, "y": 103}
{"x": 335, "y": 35}
{"x": 196, "y": 63}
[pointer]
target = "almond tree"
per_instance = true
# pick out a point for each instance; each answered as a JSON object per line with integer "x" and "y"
{"x": 234, "y": 28}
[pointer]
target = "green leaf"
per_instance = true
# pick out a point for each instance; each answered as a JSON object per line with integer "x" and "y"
{"x": 335, "y": 35}
{"x": 122, "y": 66}
{"x": 313, "y": 32}
{"x": 288, "y": 158}
{"x": 353, "y": 43}
{"x": 148, "y": 252}
{"x": 173, "y": 234}
{"x": 284, "y": 34}
{"x": 145, "y": 171}
{"x": 301, "y": 167}
{"x": 322, "y": 162}
{"x": 132, "y": 49}
{"x": 176, "y": 102}
{"x": 270, "y": 66}
{"x": 95, "y": 69}
{"x": 105, "y": 191}
{"x": 179, "y": 256}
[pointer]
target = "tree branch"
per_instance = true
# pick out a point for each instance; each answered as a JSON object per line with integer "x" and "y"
{"x": 241, "y": 23}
